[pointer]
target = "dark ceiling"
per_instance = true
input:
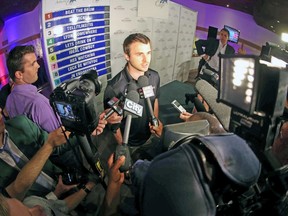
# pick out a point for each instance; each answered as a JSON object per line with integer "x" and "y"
{"x": 270, "y": 14}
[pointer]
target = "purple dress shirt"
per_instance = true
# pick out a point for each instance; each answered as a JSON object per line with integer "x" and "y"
{"x": 25, "y": 100}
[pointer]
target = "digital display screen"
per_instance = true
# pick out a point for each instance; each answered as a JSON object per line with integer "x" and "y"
{"x": 234, "y": 34}
{"x": 65, "y": 110}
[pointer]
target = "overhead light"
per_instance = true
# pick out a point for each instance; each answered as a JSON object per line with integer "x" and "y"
{"x": 284, "y": 37}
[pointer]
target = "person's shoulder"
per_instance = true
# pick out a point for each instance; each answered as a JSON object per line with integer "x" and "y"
{"x": 118, "y": 82}
{"x": 231, "y": 49}
{"x": 152, "y": 72}
{"x": 119, "y": 76}
{"x": 18, "y": 119}
{"x": 19, "y": 122}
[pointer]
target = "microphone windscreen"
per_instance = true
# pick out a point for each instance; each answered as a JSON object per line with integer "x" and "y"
{"x": 143, "y": 81}
{"x": 209, "y": 93}
{"x": 131, "y": 86}
{"x": 133, "y": 96}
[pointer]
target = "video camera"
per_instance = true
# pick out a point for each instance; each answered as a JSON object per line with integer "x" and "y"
{"x": 256, "y": 92}
{"x": 75, "y": 103}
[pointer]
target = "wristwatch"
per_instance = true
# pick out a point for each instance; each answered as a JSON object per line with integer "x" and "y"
{"x": 83, "y": 187}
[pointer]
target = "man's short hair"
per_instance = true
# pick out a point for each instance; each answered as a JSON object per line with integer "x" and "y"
{"x": 137, "y": 37}
{"x": 15, "y": 59}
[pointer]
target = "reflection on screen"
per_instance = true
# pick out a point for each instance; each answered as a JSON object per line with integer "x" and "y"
{"x": 65, "y": 110}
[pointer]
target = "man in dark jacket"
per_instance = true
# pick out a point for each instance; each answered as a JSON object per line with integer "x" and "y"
{"x": 209, "y": 50}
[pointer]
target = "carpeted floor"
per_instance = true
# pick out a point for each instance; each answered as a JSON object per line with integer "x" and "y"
{"x": 169, "y": 92}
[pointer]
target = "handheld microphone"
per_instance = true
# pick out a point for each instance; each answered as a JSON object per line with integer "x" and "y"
{"x": 131, "y": 107}
{"x": 148, "y": 92}
{"x": 114, "y": 104}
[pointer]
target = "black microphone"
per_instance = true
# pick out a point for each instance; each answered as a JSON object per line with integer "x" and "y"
{"x": 115, "y": 107}
{"x": 199, "y": 105}
{"x": 131, "y": 86}
{"x": 132, "y": 108}
{"x": 148, "y": 92}
{"x": 209, "y": 93}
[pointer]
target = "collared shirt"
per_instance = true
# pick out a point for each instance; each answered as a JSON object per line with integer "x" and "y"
{"x": 25, "y": 100}
{"x": 51, "y": 207}
{"x": 139, "y": 131}
{"x": 214, "y": 60}
{"x": 13, "y": 156}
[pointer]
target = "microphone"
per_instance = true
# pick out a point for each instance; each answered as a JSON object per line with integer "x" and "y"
{"x": 131, "y": 86}
{"x": 199, "y": 105}
{"x": 148, "y": 92}
{"x": 132, "y": 108}
{"x": 209, "y": 93}
{"x": 114, "y": 104}
{"x": 195, "y": 100}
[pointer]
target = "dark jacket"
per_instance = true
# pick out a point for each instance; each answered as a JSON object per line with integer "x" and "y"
{"x": 209, "y": 47}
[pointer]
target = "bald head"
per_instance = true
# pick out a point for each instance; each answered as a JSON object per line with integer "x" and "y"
{"x": 215, "y": 126}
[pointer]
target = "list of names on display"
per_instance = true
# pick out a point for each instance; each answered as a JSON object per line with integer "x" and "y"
{"x": 77, "y": 40}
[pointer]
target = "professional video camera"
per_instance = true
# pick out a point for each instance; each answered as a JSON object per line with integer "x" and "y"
{"x": 75, "y": 103}
{"x": 256, "y": 92}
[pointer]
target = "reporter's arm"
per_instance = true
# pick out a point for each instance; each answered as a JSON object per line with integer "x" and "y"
{"x": 101, "y": 125}
{"x": 185, "y": 115}
{"x": 115, "y": 180}
{"x": 156, "y": 130}
{"x": 75, "y": 199}
{"x": 29, "y": 173}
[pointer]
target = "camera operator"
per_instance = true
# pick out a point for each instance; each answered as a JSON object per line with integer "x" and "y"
{"x": 23, "y": 70}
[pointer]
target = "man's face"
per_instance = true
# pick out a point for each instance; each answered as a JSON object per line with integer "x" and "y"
{"x": 29, "y": 74}
{"x": 139, "y": 57}
{"x": 18, "y": 208}
{"x": 224, "y": 37}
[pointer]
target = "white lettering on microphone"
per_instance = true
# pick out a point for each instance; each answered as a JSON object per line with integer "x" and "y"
{"x": 133, "y": 107}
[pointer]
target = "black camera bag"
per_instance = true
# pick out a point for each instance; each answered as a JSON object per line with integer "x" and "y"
{"x": 188, "y": 179}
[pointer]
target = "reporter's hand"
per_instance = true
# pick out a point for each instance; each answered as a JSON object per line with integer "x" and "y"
{"x": 101, "y": 125}
{"x": 62, "y": 188}
{"x": 185, "y": 116}
{"x": 114, "y": 118}
{"x": 156, "y": 130}
{"x": 115, "y": 177}
{"x": 205, "y": 57}
{"x": 57, "y": 138}
{"x": 115, "y": 180}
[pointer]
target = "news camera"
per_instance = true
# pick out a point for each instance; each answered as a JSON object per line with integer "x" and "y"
{"x": 256, "y": 90}
{"x": 75, "y": 102}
